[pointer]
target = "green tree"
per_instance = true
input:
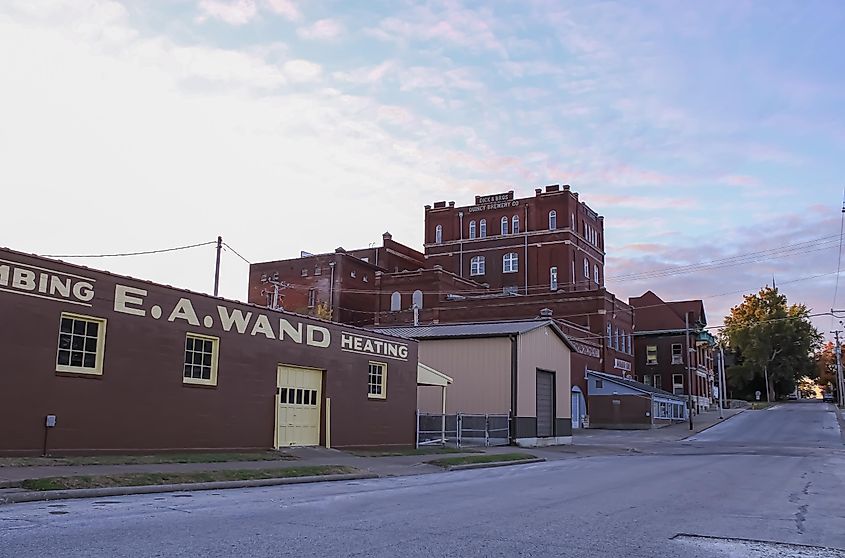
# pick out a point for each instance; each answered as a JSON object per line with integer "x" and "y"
{"x": 772, "y": 338}
{"x": 826, "y": 368}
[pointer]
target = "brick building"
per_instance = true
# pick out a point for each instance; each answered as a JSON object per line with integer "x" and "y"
{"x": 672, "y": 345}
{"x": 501, "y": 258}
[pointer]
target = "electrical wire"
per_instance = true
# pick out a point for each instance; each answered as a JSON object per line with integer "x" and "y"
{"x": 839, "y": 255}
{"x": 237, "y": 254}
{"x": 123, "y": 254}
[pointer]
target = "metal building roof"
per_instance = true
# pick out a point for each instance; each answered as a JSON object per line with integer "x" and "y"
{"x": 470, "y": 330}
{"x": 633, "y": 384}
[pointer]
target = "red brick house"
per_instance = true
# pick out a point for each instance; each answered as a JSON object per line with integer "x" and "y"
{"x": 672, "y": 347}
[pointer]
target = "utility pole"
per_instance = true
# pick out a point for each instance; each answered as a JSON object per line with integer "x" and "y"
{"x": 723, "y": 379}
{"x": 217, "y": 266}
{"x": 689, "y": 368}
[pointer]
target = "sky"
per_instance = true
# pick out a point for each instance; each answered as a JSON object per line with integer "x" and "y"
{"x": 700, "y": 130}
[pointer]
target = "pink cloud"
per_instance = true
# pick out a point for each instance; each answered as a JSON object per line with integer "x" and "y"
{"x": 285, "y": 8}
{"x": 323, "y": 29}
{"x": 237, "y": 12}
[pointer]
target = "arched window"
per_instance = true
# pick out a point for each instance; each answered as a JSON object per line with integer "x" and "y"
{"x": 586, "y": 268}
{"x": 417, "y": 299}
{"x": 553, "y": 278}
{"x": 476, "y": 265}
{"x": 438, "y": 234}
{"x": 510, "y": 261}
{"x": 482, "y": 228}
{"x": 395, "y": 301}
{"x": 471, "y": 230}
{"x": 596, "y": 273}
{"x": 552, "y": 220}
{"x": 515, "y": 224}
{"x": 504, "y": 225}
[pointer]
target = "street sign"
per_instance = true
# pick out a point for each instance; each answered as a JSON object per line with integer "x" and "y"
{"x": 757, "y": 395}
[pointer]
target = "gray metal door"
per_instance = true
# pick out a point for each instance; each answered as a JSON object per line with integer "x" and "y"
{"x": 545, "y": 403}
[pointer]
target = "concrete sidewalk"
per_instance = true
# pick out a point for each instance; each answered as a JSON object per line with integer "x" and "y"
{"x": 673, "y": 433}
{"x": 382, "y": 466}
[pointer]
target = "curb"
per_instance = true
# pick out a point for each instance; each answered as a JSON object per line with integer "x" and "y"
{"x": 39, "y": 496}
{"x": 723, "y": 421}
{"x": 495, "y": 464}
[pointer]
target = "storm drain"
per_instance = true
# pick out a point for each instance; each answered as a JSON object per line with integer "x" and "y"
{"x": 743, "y": 548}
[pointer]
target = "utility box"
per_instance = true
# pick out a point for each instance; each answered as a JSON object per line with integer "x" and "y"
{"x": 51, "y": 421}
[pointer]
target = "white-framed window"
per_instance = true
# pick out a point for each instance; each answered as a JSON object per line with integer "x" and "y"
{"x": 482, "y": 228}
{"x": 438, "y": 234}
{"x": 658, "y": 382}
{"x": 504, "y": 225}
{"x": 312, "y": 298}
{"x": 377, "y": 380}
{"x": 510, "y": 262}
{"x": 573, "y": 227}
{"x": 596, "y": 273}
{"x": 395, "y": 301}
{"x": 647, "y": 379}
{"x": 609, "y": 335}
{"x": 81, "y": 344}
{"x": 677, "y": 353}
{"x": 616, "y": 340}
{"x": 417, "y": 299}
{"x": 651, "y": 354}
{"x": 552, "y": 220}
{"x": 515, "y": 224}
{"x": 472, "y": 230}
{"x": 476, "y": 265}
{"x": 201, "y": 352}
{"x": 553, "y": 278}
{"x": 586, "y": 268}
{"x": 678, "y": 384}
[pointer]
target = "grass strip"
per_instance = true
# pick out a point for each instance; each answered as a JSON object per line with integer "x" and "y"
{"x": 152, "y": 479}
{"x": 488, "y": 458}
{"x": 412, "y": 451}
{"x": 151, "y": 459}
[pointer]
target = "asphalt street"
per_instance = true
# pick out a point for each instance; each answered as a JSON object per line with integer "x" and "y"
{"x": 775, "y": 475}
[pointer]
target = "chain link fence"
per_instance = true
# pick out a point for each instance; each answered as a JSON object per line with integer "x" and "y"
{"x": 462, "y": 430}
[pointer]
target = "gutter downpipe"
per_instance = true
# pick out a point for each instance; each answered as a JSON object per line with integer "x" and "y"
{"x": 514, "y": 383}
{"x": 525, "y": 232}
{"x": 461, "y": 241}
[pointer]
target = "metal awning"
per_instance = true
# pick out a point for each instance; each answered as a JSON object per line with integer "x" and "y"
{"x": 428, "y": 376}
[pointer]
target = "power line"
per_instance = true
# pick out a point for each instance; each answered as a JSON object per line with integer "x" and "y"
{"x": 237, "y": 254}
{"x": 839, "y": 255}
{"x": 122, "y": 254}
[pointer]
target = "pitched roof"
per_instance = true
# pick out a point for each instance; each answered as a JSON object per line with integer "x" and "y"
{"x": 652, "y": 313}
{"x": 633, "y": 384}
{"x": 471, "y": 330}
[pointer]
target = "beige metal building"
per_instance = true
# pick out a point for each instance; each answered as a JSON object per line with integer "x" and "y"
{"x": 516, "y": 368}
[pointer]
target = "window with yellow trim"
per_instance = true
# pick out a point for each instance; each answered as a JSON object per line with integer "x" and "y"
{"x": 377, "y": 381}
{"x": 81, "y": 344}
{"x": 200, "y": 359}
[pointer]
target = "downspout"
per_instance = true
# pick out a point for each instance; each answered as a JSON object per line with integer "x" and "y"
{"x": 331, "y": 294}
{"x": 514, "y": 384}
{"x": 461, "y": 241}
{"x": 525, "y": 229}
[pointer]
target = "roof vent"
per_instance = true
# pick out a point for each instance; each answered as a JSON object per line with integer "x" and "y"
{"x": 546, "y": 313}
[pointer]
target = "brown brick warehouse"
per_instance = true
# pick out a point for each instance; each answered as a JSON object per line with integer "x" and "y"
{"x": 129, "y": 365}
{"x": 501, "y": 258}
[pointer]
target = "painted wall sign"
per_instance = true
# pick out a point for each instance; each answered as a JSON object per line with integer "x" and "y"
{"x": 583, "y": 349}
{"x": 493, "y": 205}
{"x": 40, "y": 282}
{"x": 495, "y": 198}
{"x": 622, "y": 364}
